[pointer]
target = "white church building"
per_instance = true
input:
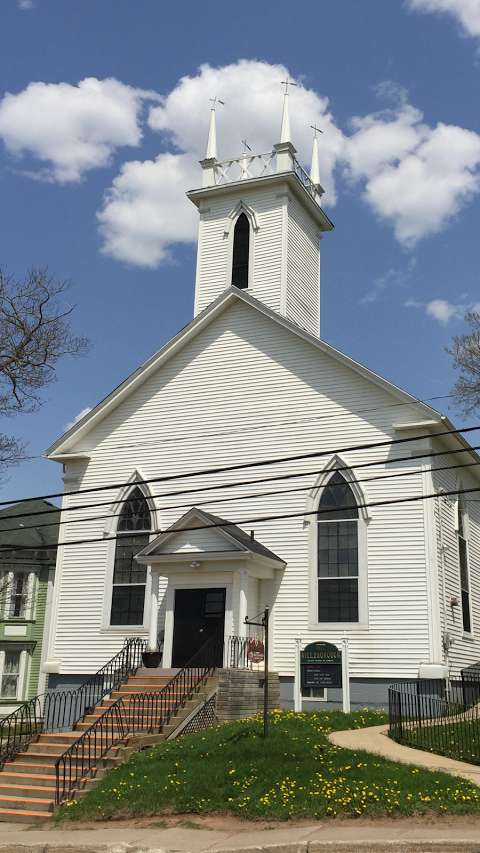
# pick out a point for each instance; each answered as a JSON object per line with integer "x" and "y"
{"x": 249, "y": 464}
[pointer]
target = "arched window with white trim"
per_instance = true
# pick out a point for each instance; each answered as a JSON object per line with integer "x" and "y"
{"x": 338, "y": 552}
{"x": 129, "y": 578}
{"x": 241, "y": 252}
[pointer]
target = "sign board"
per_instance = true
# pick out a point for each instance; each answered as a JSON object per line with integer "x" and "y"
{"x": 255, "y": 651}
{"x": 321, "y": 665}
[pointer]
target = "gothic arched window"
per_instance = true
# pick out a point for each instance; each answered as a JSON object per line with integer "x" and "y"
{"x": 241, "y": 248}
{"x": 337, "y": 565}
{"x": 129, "y": 578}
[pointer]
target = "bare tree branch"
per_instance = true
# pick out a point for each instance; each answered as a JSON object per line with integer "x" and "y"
{"x": 34, "y": 335}
{"x": 465, "y": 351}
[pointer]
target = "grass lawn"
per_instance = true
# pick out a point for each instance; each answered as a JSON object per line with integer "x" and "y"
{"x": 460, "y": 740}
{"x": 295, "y": 773}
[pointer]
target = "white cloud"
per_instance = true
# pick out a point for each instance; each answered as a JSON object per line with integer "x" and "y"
{"x": 392, "y": 278}
{"x": 71, "y": 129}
{"x": 78, "y": 417}
{"x": 466, "y": 12}
{"x": 415, "y": 176}
{"x": 25, "y": 4}
{"x": 443, "y": 310}
{"x": 145, "y": 211}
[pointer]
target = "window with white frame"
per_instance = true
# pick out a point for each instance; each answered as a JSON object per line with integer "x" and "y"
{"x": 10, "y": 667}
{"x": 338, "y": 557}
{"x": 463, "y": 567}
{"x": 17, "y": 588}
{"x": 318, "y": 694}
{"x": 129, "y": 578}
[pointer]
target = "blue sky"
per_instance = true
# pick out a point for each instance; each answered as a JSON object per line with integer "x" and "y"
{"x": 93, "y": 173}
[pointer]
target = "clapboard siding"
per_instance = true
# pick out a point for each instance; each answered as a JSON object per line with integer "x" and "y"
{"x": 303, "y": 273}
{"x": 245, "y": 389}
{"x": 465, "y": 649}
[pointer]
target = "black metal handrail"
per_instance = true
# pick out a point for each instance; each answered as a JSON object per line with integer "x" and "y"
{"x": 60, "y": 709}
{"x": 140, "y": 713}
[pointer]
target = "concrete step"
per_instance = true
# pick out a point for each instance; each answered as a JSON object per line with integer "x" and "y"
{"x": 26, "y": 790}
{"x": 22, "y": 766}
{"x": 37, "y": 758}
{"x": 39, "y": 804}
{"x": 32, "y": 780}
{"x": 23, "y": 815}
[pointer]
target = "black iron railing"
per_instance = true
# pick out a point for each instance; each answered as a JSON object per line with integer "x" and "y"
{"x": 145, "y": 713}
{"x": 441, "y": 716}
{"x": 60, "y": 710}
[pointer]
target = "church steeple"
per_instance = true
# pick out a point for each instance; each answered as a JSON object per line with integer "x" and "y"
{"x": 260, "y": 226}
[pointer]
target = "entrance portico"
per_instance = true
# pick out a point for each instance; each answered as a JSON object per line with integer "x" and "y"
{"x": 216, "y": 575}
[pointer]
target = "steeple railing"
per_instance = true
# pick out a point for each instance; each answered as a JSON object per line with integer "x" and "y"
{"x": 245, "y": 167}
{"x": 250, "y": 166}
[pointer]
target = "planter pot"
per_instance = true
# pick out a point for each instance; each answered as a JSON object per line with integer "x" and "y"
{"x": 151, "y": 659}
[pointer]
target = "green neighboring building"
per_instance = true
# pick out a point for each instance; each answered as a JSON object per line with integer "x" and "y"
{"x": 27, "y": 574}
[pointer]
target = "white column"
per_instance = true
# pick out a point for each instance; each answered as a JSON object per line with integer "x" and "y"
{"x": 345, "y": 676}
{"x": 153, "y": 631}
{"x": 297, "y": 684}
{"x": 242, "y": 602}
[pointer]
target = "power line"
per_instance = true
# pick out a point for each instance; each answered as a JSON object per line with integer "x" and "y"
{"x": 230, "y": 485}
{"x": 239, "y": 466}
{"x": 257, "y": 520}
{"x": 250, "y": 496}
{"x": 266, "y": 425}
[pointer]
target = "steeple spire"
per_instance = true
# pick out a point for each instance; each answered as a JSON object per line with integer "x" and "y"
{"x": 315, "y": 169}
{"x": 212, "y": 131}
{"x": 285, "y": 134}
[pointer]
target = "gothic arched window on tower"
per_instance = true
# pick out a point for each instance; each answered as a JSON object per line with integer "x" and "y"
{"x": 241, "y": 248}
{"x": 129, "y": 578}
{"x": 338, "y": 553}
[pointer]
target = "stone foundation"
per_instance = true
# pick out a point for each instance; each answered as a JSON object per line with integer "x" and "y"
{"x": 240, "y": 693}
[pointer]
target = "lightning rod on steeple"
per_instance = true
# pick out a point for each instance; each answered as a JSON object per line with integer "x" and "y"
{"x": 315, "y": 168}
{"x": 285, "y": 135}
{"x": 212, "y": 131}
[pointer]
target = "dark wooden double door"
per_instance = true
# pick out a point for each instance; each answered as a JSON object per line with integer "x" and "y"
{"x": 199, "y": 614}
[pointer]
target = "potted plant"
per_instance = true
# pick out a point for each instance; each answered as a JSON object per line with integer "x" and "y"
{"x": 152, "y": 657}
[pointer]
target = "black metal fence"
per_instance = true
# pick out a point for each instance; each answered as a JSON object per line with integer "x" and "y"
{"x": 140, "y": 713}
{"x": 441, "y": 716}
{"x": 59, "y": 710}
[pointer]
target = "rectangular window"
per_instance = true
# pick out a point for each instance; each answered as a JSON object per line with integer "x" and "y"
{"x": 18, "y": 596}
{"x": 10, "y": 676}
{"x": 338, "y": 571}
{"x": 464, "y": 574}
{"x": 318, "y": 693}
{"x": 129, "y": 580}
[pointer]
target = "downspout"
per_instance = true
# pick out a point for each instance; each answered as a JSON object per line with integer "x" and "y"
{"x": 446, "y": 638}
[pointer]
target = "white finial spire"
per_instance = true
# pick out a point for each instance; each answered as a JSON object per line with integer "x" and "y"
{"x": 285, "y": 135}
{"x": 212, "y": 131}
{"x": 315, "y": 169}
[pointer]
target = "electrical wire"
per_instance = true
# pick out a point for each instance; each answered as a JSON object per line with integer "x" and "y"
{"x": 250, "y": 496}
{"x": 230, "y": 485}
{"x": 242, "y": 465}
{"x": 256, "y": 520}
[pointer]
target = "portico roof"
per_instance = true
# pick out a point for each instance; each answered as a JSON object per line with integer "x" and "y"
{"x": 199, "y": 534}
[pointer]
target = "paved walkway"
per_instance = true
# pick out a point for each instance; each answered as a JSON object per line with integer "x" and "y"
{"x": 459, "y": 835}
{"x": 375, "y": 739}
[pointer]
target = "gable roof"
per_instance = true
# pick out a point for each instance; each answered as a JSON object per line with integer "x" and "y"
{"x": 59, "y": 450}
{"x": 241, "y": 540}
{"x": 28, "y": 533}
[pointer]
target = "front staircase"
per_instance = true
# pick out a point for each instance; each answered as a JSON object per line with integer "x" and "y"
{"x": 28, "y": 783}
